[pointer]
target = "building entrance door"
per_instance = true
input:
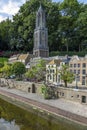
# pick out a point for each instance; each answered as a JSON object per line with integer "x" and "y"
{"x": 33, "y": 88}
{"x": 83, "y": 99}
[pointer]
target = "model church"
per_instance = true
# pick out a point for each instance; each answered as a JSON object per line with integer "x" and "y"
{"x": 41, "y": 48}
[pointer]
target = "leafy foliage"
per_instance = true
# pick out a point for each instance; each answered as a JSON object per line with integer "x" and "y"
{"x": 37, "y": 72}
{"x": 66, "y": 23}
{"x": 18, "y": 68}
{"x": 31, "y": 73}
{"x": 2, "y": 59}
{"x": 1, "y": 64}
{"x": 6, "y": 70}
{"x": 66, "y": 75}
{"x": 48, "y": 91}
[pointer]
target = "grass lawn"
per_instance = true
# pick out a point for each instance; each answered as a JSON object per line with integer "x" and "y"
{"x": 2, "y": 59}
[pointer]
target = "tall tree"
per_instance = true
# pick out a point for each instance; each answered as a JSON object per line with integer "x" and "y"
{"x": 69, "y": 10}
{"x": 24, "y": 24}
{"x": 81, "y": 30}
{"x": 66, "y": 23}
{"x": 4, "y": 34}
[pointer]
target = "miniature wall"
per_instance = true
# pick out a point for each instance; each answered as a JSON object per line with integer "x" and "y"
{"x": 21, "y": 85}
{"x": 77, "y": 95}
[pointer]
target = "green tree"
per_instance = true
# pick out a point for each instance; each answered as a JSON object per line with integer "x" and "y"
{"x": 37, "y": 72}
{"x": 69, "y": 10}
{"x": 66, "y": 23}
{"x": 80, "y": 32}
{"x": 41, "y": 69}
{"x": 66, "y": 75}
{"x": 31, "y": 73}
{"x": 23, "y": 25}
{"x": 6, "y": 70}
{"x": 4, "y": 34}
{"x": 53, "y": 21}
{"x": 18, "y": 69}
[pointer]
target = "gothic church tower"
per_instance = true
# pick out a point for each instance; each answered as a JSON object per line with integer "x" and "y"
{"x": 40, "y": 35}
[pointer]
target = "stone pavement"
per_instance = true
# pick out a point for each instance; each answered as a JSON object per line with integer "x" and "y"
{"x": 73, "y": 107}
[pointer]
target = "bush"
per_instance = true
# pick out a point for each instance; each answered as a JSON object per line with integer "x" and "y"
{"x": 47, "y": 96}
{"x": 8, "y": 53}
{"x": 2, "y": 59}
{"x": 43, "y": 89}
{"x": 46, "y": 92}
{"x": 70, "y": 53}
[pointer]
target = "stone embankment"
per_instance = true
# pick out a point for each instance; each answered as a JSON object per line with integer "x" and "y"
{"x": 52, "y": 107}
{"x": 25, "y": 86}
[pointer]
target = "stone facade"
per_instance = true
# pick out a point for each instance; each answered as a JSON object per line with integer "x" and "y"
{"x": 25, "y": 86}
{"x": 78, "y": 65}
{"x": 76, "y": 95}
{"x": 52, "y": 71}
{"x": 40, "y": 35}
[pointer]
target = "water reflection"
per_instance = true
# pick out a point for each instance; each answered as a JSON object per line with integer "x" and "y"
{"x": 5, "y": 125}
{"x": 31, "y": 120}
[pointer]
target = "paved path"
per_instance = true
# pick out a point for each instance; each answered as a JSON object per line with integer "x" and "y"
{"x": 68, "y": 106}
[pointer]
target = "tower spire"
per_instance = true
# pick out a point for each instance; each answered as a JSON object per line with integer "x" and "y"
{"x": 40, "y": 17}
{"x": 41, "y": 35}
{"x": 40, "y": 2}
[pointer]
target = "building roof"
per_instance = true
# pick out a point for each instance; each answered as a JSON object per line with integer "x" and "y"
{"x": 13, "y": 57}
{"x": 54, "y": 61}
{"x": 76, "y": 58}
{"x": 23, "y": 56}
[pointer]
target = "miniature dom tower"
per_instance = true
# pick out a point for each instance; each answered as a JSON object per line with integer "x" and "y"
{"x": 40, "y": 35}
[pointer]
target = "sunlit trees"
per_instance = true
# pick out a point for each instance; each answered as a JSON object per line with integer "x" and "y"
{"x": 66, "y": 75}
{"x": 69, "y": 13}
{"x": 31, "y": 73}
{"x": 37, "y": 72}
{"x": 66, "y": 23}
{"x": 6, "y": 70}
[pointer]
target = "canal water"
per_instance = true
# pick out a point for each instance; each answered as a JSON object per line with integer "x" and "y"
{"x": 6, "y": 125}
{"x": 15, "y": 118}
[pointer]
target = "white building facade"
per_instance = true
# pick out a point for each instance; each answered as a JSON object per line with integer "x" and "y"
{"x": 53, "y": 72}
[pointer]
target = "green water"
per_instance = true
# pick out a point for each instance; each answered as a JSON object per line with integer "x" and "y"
{"x": 32, "y": 121}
